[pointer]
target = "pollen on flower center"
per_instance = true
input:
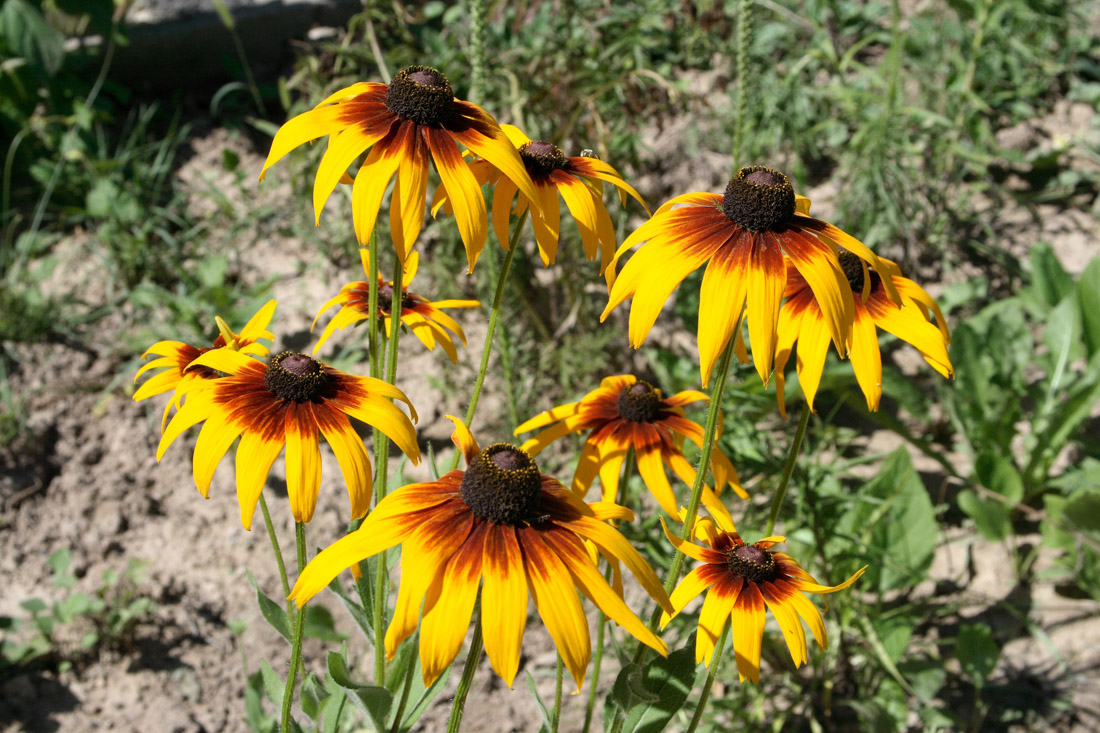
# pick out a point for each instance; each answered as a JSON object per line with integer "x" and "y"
{"x": 752, "y": 563}
{"x": 640, "y": 402}
{"x": 296, "y": 377}
{"x": 759, "y": 198}
{"x": 541, "y": 158}
{"x": 421, "y": 94}
{"x": 503, "y": 485}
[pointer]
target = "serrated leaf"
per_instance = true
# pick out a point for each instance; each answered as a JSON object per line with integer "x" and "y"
{"x": 977, "y": 652}
{"x": 669, "y": 680}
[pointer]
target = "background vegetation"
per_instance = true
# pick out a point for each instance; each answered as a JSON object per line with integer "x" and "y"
{"x": 941, "y": 132}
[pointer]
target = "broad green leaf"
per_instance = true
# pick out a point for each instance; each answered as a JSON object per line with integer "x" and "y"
{"x": 273, "y": 683}
{"x": 312, "y": 692}
{"x": 335, "y": 708}
{"x": 669, "y": 680}
{"x": 990, "y": 516}
{"x": 997, "y": 472}
{"x": 272, "y": 612}
{"x": 977, "y": 652}
{"x": 321, "y": 625}
{"x": 1050, "y": 283}
{"x": 1088, "y": 298}
{"x": 353, "y": 608}
{"x": 629, "y": 688}
{"x": 1082, "y": 510}
{"x": 25, "y": 31}
{"x": 374, "y": 701}
{"x": 253, "y": 706}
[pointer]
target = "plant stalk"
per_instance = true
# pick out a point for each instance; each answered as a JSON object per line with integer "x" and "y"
{"x": 788, "y": 468}
{"x": 458, "y": 707}
{"x": 299, "y": 627}
{"x": 278, "y": 554}
{"x": 555, "y": 717}
{"x": 406, "y": 687}
{"x": 715, "y": 661}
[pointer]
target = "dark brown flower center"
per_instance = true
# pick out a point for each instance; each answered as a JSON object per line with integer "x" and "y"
{"x": 296, "y": 377}
{"x": 759, "y": 198}
{"x": 752, "y": 563}
{"x": 503, "y": 485}
{"x": 385, "y": 299}
{"x": 640, "y": 402}
{"x": 541, "y": 158}
{"x": 853, "y": 270}
{"x": 421, "y": 94}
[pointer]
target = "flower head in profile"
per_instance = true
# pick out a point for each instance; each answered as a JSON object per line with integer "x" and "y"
{"x": 504, "y": 526}
{"x": 740, "y": 581}
{"x": 292, "y": 401}
{"x": 743, "y": 235}
{"x": 424, "y": 318}
{"x": 404, "y": 124}
{"x": 578, "y": 180}
{"x": 801, "y": 321}
{"x": 176, "y": 358}
{"x": 623, "y": 414}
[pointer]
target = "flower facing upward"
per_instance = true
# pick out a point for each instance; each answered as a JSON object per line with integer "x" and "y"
{"x": 505, "y": 526}
{"x": 626, "y": 413}
{"x": 744, "y": 235}
{"x": 176, "y": 357}
{"x": 290, "y": 401}
{"x": 801, "y": 321}
{"x": 425, "y": 318}
{"x": 578, "y": 180}
{"x": 404, "y": 124}
{"x": 740, "y": 581}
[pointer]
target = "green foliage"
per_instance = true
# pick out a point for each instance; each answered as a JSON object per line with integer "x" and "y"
{"x": 75, "y": 628}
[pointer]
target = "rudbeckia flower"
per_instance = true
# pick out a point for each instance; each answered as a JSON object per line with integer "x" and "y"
{"x": 801, "y": 320}
{"x": 423, "y": 317}
{"x": 578, "y": 180}
{"x": 743, "y": 234}
{"x": 176, "y": 358}
{"x": 626, "y": 413}
{"x": 289, "y": 401}
{"x": 740, "y": 581}
{"x": 413, "y": 119}
{"x": 505, "y": 526}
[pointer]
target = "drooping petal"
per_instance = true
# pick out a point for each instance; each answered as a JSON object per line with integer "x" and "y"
{"x": 748, "y": 631}
{"x": 343, "y": 148}
{"x": 817, "y": 263}
{"x": 217, "y": 434}
{"x": 257, "y": 451}
{"x": 409, "y": 195}
{"x": 909, "y": 324}
{"x": 787, "y": 617}
{"x": 694, "y": 583}
{"x": 503, "y": 601}
{"x": 866, "y": 357}
{"x": 351, "y": 454}
{"x": 545, "y": 418}
{"x": 722, "y": 299}
{"x": 767, "y": 277}
{"x": 303, "y": 460}
{"x": 464, "y": 192}
{"x": 609, "y": 540}
{"x": 464, "y": 439}
{"x": 714, "y": 615}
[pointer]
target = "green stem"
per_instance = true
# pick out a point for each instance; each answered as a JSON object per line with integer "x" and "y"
{"x": 704, "y": 696}
{"x": 477, "y": 49}
{"x": 713, "y": 410}
{"x": 372, "y": 313}
{"x": 555, "y": 717}
{"x": 597, "y": 661}
{"x": 381, "y": 463}
{"x": 299, "y": 626}
{"x": 406, "y": 687}
{"x": 278, "y": 553}
{"x": 494, "y": 317}
{"x": 788, "y": 468}
{"x": 744, "y": 35}
{"x": 458, "y": 707}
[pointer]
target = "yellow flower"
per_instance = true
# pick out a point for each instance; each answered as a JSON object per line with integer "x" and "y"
{"x": 626, "y": 413}
{"x": 176, "y": 358}
{"x": 505, "y": 526}
{"x": 578, "y": 180}
{"x": 290, "y": 401}
{"x": 404, "y": 124}
{"x": 740, "y": 581}
{"x": 424, "y": 318}
{"x": 801, "y": 320}
{"x": 743, "y": 235}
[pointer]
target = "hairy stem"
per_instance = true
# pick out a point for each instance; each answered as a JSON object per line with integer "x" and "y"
{"x": 458, "y": 707}
{"x": 715, "y": 661}
{"x": 278, "y": 554}
{"x": 296, "y": 642}
{"x": 788, "y": 469}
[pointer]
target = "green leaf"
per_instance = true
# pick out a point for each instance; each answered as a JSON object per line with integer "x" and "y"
{"x": 333, "y": 711}
{"x": 990, "y": 516}
{"x": 59, "y": 562}
{"x": 34, "y": 605}
{"x": 1049, "y": 280}
{"x": 422, "y": 695}
{"x": 374, "y": 701}
{"x": 998, "y": 473}
{"x": 321, "y": 625}
{"x": 629, "y": 689}
{"x": 313, "y": 691}
{"x": 272, "y": 612}
{"x": 273, "y": 684}
{"x": 546, "y": 721}
{"x": 353, "y": 608}
{"x": 977, "y": 652}
{"x": 25, "y": 31}
{"x": 1088, "y": 298}
{"x": 669, "y": 681}
{"x": 1082, "y": 510}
